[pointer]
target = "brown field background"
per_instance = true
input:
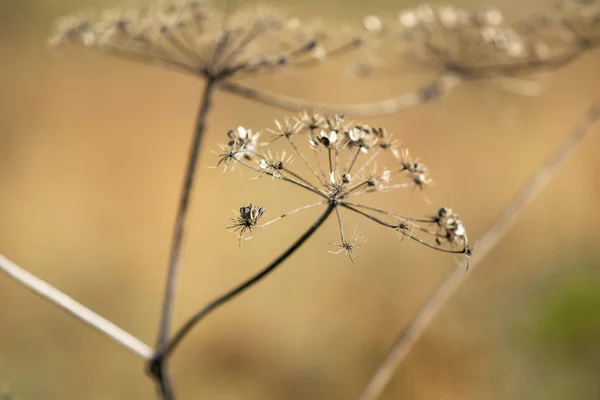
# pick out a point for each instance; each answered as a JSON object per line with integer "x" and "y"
{"x": 92, "y": 151}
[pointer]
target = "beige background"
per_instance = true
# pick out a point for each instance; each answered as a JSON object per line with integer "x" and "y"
{"x": 92, "y": 151}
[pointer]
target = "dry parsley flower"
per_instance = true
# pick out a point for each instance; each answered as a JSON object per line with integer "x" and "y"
{"x": 342, "y": 168}
{"x": 194, "y": 36}
{"x": 477, "y": 43}
{"x": 349, "y": 245}
{"x": 245, "y": 220}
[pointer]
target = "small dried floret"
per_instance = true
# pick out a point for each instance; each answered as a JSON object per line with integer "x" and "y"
{"x": 245, "y": 220}
{"x": 418, "y": 172}
{"x": 242, "y": 144}
{"x": 337, "y": 123}
{"x": 337, "y": 186}
{"x": 326, "y": 138}
{"x": 375, "y": 179}
{"x": 245, "y": 140}
{"x": 349, "y": 245}
{"x": 450, "y": 228}
{"x": 274, "y": 165}
{"x": 286, "y": 129}
{"x": 361, "y": 137}
{"x": 314, "y": 121}
{"x": 385, "y": 140}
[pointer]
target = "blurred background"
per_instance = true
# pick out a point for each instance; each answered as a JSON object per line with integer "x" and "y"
{"x": 92, "y": 151}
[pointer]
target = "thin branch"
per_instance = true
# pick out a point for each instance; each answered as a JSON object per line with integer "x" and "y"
{"x": 281, "y": 177}
{"x": 287, "y": 214}
{"x": 164, "y": 352}
{"x": 160, "y": 373}
{"x": 79, "y": 311}
{"x": 431, "y": 91}
{"x": 395, "y": 226}
{"x": 505, "y": 219}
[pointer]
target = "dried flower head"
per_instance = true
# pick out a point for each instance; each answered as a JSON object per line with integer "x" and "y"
{"x": 474, "y": 44}
{"x": 194, "y": 36}
{"x": 245, "y": 220}
{"x": 241, "y": 145}
{"x": 349, "y": 245}
{"x": 345, "y": 168}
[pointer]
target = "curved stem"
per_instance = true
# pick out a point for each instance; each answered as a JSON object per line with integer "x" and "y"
{"x": 231, "y": 294}
{"x": 439, "y": 86}
{"x": 529, "y": 191}
{"x": 159, "y": 370}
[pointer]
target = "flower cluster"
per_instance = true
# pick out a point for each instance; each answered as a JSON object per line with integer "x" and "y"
{"x": 342, "y": 167}
{"x": 194, "y": 36}
{"x": 246, "y": 219}
{"x": 481, "y": 43}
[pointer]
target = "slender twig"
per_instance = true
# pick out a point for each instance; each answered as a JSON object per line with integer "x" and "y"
{"x": 231, "y": 294}
{"x": 528, "y": 192}
{"x": 178, "y": 235}
{"x": 431, "y": 91}
{"x": 79, "y": 311}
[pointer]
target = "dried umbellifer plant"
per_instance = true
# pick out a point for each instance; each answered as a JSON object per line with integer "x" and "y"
{"x": 473, "y": 44}
{"x": 218, "y": 46}
{"x": 339, "y": 160}
{"x": 336, "y": 159}
{"x": 344, "y": 169}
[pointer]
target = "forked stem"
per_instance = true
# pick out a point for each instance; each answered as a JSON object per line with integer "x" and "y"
{"x": 163, "y": 353}
{"x": 530, "y": 189}
{"x": 158, "y": 370}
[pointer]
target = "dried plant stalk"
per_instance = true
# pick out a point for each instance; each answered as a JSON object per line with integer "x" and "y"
{"x": 79, "y": 311}
{"x": 505, "y": 219}
{"x": 344, "y": 169}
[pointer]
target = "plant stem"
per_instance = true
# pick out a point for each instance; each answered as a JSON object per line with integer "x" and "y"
{"x": 505, "y": 219}
{"x": 79, "y": 311}
{"x": 435, "y": 89}
{"x": 178, "y": 235}
{"x": 231, "y": 294}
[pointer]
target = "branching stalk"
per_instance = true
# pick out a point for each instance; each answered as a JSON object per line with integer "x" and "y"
{"x": 231, "y": 294}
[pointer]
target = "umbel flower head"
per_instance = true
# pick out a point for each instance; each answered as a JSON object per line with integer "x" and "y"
{"x": 344, "y": 170}
{"x": 477, "y": 43}
{"x": 194, "y": 36}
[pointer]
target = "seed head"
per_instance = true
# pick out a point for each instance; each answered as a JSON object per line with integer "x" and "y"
{"x": 196, "y": 37}
{"x": 479, "y": 43}
{"x": 349, "y": 245}
{"x": 245, "y": 220}
{"x": 345, "y": 168}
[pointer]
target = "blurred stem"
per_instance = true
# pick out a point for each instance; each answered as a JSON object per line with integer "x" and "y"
{"x": 505, "y": 219}
{"x": 164, "y": 352}
{"x": 435, "y": 89}
{"x": 178, "y": 234}
{"x": 79, "y": 311}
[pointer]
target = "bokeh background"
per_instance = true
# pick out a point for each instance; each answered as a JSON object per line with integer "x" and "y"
{"x": 92, "y": 151}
